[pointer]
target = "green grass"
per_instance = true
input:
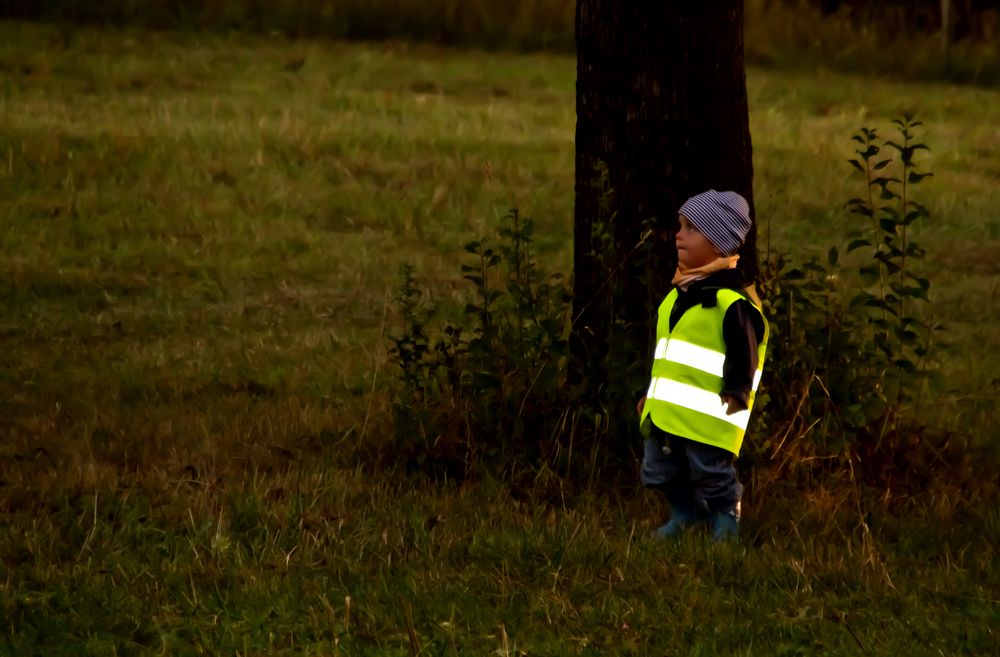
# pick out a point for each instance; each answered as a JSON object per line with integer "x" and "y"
{"x": 200, "y": 237}
{"x": 288, "y": 558}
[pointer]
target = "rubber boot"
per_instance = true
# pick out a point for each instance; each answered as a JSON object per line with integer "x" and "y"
{"x": 682, "y": 516}
{"x": 725, "y": 527}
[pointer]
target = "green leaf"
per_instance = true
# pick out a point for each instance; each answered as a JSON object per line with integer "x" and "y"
{"x": 857, "y": 165}
{"x": 915, "y": 177}
{"x": 892, "y": 251}
{"x": 869, "y": 274}
{"x": 861, "y": 299}
{"x": 473, "y": 247}
{"x": 915, "y": 292}
{"x": 832, "y": 256}
{"x": 875, "y": 302}
{"x": 854, "y": 415}
{"x": 890, "y": 211}
{"x": 884, "y": 345}
{"x": 881, "y": 165}
{"x": 888, "y": 225}
{"x": 857, "y": 244}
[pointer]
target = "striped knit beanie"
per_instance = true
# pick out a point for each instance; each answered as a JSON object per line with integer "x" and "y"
{"x": 722, "y": 217}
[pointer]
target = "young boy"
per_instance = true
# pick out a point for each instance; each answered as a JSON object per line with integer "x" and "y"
{"x": 711, "y": 338}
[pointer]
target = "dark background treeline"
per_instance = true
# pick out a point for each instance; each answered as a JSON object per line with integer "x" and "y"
{"x": 970, "y": 19}
{"x": 527, "y": 24}
{"x": 521, "y": 24}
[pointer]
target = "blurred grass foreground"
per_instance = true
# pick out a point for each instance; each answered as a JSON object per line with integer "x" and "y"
{"x": 201, "y": 236}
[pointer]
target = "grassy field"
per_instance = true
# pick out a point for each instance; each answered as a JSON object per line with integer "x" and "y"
{"x": 201, "y": 236}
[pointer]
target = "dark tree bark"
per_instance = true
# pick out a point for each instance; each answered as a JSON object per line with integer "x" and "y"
{"x": 662, "y": 115}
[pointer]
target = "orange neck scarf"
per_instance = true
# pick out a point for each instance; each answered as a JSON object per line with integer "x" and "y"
{"x": 683, "y": 277}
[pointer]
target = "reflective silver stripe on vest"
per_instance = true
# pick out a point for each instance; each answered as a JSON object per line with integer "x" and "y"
{"x": 700, "y": 358}
{"x": 695, "y": 399}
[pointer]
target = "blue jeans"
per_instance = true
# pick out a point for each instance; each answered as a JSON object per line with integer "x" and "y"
{"x": 692, "y": 475}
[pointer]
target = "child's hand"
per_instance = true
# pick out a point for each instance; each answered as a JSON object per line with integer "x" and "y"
{"x": 640, "y": 405}
{"x": 733, "y": 404}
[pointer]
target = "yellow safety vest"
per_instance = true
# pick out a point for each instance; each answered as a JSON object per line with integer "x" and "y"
{"x": 683, "y": 397}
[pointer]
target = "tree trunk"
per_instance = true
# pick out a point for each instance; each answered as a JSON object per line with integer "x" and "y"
{"x": 946, "y": 34}
{"x": 662, "y": 115}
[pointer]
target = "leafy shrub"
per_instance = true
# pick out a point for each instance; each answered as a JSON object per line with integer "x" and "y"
{"x": 490, "y": 389}
{"x": 852, "y": 352}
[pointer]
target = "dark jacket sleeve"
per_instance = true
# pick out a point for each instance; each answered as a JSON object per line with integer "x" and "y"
{"x": 742, "y": 330}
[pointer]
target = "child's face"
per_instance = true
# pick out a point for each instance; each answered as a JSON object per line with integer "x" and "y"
{"x": 693, "y": 248}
